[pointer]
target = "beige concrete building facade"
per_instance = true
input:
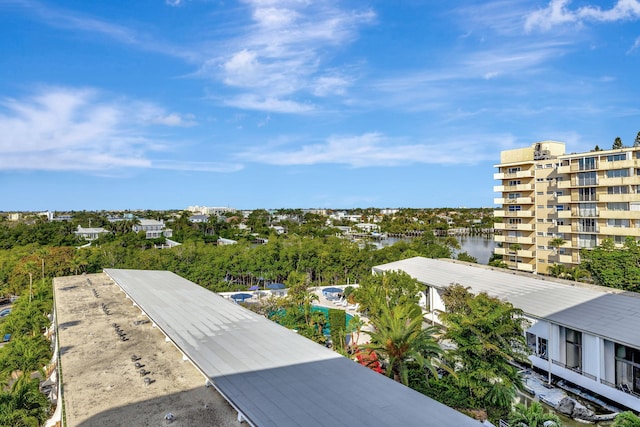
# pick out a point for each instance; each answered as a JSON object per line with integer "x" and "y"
{"x": 553, "y": 204}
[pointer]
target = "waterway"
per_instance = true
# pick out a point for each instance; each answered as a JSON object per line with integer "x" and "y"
{"x": 479, "y": 247}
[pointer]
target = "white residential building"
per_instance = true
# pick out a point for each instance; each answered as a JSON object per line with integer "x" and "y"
{"x": 586, "y": 335}
{"x": 152, "y": 228}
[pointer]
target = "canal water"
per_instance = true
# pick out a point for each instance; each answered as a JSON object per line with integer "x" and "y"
{"x": 479, "y": 247}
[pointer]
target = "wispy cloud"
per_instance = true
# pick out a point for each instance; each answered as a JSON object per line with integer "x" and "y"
{"x": 73, "y": 21}
{"x": 558, "y": 12}
{"x": 376, "y": 149}
{"x": 280, "y": 57}
{"x": 84, "y": 130}
{"x": 635, "y": 46}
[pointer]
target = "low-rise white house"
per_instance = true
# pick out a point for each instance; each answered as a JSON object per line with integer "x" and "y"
{"x": 89, "y": 233}
{"x": 152, "y": 228}
{"x": 367, "y": 227}
{"x": 586, "y": 335}
{"x": 222, "y": 241}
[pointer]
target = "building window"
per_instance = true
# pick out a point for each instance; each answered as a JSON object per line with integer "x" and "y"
{"x": 587, "y": 163}
{"x": 618, "y": 189}
{"x": 618, "y": 206}
{"x": 542, "y": 348}
{"x": 587, "y": 209}
{"x": 514, "y": 170}
{"x": 587, "y": 178}
{"x": 616, "y": 157}
{"x": 540, "y": 193}
{"x": 587, "y": 225}
{"x": 587, "y": 241}
{"x": 531, "y": 342}
{"x": 514, "y": 196}
{"x": 617, "y": 173}
{"x": 573, "y": 349}
{"x": 513, "y": 183}
{"x": 515, "y": 208}
{"x": 628, "y": 368}
{"x": 619, "y": 240}
{"x": 559, "y": 208}
{"x": 558, "y": 193}
{"x": 587, "y": 194}
{"x": 624, "y": 223}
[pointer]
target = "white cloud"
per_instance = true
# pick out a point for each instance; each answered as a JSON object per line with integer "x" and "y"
{"x": 64, "y": 129}
{"x": 635, "y": 46}
{"x": 558, "y": 12}
{"x": 375, "y": 149}
{"x": 72, "y": 21}
{"x": 270, "y": 104}
{"x": 278, "y": 59}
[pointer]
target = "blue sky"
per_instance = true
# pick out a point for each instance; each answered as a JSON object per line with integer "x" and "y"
{"x": 300, "y": 103}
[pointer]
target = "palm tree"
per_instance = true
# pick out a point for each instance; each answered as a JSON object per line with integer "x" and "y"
{"x": 626, "y": 419}
{"x": 355, "y": 325}
{"x": 23, "y": 405}
{"x": 399, "y": 337}
{"x": 26, "y": 354}
{"x": 515, "y": 247}
{"x": 533, "y": 416}
{"x": 556, "y": 243}
{"x": 557, "y": 270}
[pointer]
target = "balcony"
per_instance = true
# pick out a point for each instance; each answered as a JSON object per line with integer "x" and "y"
{"x": 564, "y": 214}
{"x": 521, "y": 254}
{"x": 519, "y": 187}
{"x": 619, "y": 214}
{"x": 564, "y": 184}
{"x": 564, "y": 199}
{"x": 619, "y": 231}
{"x": 631, "y": 197}
{"x": 618, "y": 164}
{"x": 565, "y": 259}
{"x": 564, "y": 229}
{"x": 623, "y": 180}
{"x": 511, "y": 239}
{"x": 520, "y": 174}
{"x": 507, "y": 201}
{"x": 521, "y": 227}
{"x": 525, "y": 267}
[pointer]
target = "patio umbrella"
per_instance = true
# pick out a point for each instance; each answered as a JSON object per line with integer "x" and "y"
{"x": 331, "y": 290}
{"x": 240, "y": 297}
{"x": 254, "y": 288}
{"x": 276, "y": 286}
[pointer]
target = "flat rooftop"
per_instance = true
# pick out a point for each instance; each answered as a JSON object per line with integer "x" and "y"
{"x": 101, "y": 384}
{"x": 273, "y": 376}
{"x": 608, "y": 313}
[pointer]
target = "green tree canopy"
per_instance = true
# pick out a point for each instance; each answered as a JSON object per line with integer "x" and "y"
{"x": 488, "y": 335}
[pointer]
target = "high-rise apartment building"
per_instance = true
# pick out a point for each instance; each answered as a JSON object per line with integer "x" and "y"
{"x": 554, "y": 204}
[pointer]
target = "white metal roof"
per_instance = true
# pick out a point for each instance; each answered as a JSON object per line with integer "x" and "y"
{"x": 607, "y": 313}
{"x": 272, "y": 375}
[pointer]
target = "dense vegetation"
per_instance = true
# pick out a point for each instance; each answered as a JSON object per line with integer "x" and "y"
{"x": 485, "y": 334}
